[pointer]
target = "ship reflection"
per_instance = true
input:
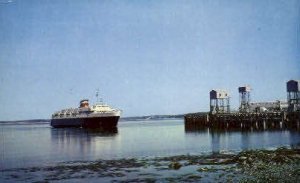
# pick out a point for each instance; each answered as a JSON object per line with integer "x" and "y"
{"x": 101, "y": 132}
{"x": 62, "y": 133}
{"x": 79, "y": 141}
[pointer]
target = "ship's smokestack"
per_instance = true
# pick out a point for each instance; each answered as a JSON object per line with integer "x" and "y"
{"x": 84, "y": 103}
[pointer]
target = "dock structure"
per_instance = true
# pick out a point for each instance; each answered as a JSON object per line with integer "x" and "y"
{"x": 220, "y": 117}
{"x": 244, "y": 92}
{"x": 293, "y": 95}
{"x": 238, "y": 120}
{"x": 219, "y": 101}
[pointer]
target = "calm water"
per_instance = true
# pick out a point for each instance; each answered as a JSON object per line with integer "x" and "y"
{"x": 39, "y": 144}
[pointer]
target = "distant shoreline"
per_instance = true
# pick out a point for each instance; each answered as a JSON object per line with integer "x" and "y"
{"x": 122, "y": 119}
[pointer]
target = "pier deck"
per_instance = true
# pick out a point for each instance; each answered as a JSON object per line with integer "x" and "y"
{"x": 266, "y": 120}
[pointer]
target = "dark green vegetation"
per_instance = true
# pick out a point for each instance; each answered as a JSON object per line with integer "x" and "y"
{"x": 135, "y": 118}
{"x": 33, "y": 121}
{"x": 152, "y": 117}
{"x": 281, "y": 165}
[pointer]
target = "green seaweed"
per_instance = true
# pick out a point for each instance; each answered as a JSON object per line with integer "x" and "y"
{"x": 280, "y": 165}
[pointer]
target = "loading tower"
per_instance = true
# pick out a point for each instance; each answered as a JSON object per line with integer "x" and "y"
{"x": 293, "y": 95}
{"x": 219, "y": 101}
{"x": 244, "y": 92}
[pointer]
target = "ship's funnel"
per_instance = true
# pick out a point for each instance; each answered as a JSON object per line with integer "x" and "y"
{"x": 84, "y": 103}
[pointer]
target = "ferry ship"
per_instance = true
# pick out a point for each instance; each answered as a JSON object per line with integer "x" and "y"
{"x": 97, "y": 116}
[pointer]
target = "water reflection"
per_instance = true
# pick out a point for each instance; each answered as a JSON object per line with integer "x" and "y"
{"x": 79, "y": 133}
{"x": 215, "y": 142}
{"x": 28, "y": 145}
{"x": 79, "y": 139}
{"x": 294, "y": 138}
{"x": 101, "y": 133}
{"x": 238, "y": 139}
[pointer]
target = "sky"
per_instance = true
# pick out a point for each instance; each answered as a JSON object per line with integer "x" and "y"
{"x": 146, "y": 57}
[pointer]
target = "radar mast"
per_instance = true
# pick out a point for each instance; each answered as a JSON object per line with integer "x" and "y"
{"x": 99, "y": 100}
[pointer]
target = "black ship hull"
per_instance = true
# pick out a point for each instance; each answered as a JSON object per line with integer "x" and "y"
{"x": 108, "y": 122}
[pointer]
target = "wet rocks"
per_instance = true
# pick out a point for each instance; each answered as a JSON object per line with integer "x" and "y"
{"x": 175, "y": 165}
{"x": 281, "y": 165}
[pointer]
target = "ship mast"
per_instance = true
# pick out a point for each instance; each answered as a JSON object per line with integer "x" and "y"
{"x": 97, "y": 96}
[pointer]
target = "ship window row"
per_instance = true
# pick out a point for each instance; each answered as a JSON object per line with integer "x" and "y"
{"x": 65, "y": 114}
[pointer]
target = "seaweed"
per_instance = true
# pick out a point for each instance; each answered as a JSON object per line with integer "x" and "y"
{"x": 280, "y": 165}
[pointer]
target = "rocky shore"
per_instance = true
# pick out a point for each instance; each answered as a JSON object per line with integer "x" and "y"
{"x": 280, "y": 165}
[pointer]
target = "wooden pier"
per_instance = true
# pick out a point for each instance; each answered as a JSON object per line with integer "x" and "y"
{"x": 255, "y": 120}
{"x": 274, "y": 115}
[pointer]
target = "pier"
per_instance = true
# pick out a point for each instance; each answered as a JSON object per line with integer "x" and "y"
{"x": 249, "y": 116}
{"x": 254, "y": 121}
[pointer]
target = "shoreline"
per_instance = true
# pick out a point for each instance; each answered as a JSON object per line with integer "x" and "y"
{"x": 122, "y": 119}
{"x": 282, "y": 164}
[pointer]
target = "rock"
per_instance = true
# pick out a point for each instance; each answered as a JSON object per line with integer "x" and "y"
{"x": 243, "y": 158}
{"x": 175, "y": 165}
{"x": 202, "y": 169}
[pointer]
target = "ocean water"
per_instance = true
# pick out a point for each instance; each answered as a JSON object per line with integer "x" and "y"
{"x": 38, "y": 144}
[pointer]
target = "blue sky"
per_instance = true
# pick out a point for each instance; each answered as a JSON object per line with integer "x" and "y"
{"x": 146, "y": 57}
